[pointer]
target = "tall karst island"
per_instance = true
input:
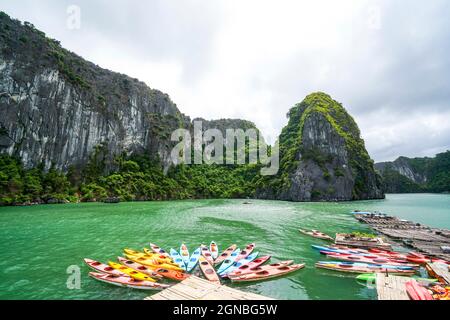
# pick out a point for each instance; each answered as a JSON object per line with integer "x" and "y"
{"x": 72, "y": 131}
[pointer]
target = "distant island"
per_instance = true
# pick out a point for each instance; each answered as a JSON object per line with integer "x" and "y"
{"x": 71, "y": 131}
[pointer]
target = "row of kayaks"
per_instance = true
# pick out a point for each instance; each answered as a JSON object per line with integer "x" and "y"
{"x": 145, "y": 269}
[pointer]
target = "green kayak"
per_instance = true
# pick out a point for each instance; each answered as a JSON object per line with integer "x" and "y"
{"x": 370, "y": 277}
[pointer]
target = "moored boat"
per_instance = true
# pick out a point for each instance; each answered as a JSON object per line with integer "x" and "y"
{"x": 125, "y": 281}
{"x": 228, "y": 262}
{"x": 224, "y": 255}
{"x": 131, "y": 272}
{"x": 184, "y": 252}
{"x": 242, "y": 270}
{"x": 101, "y": 267}
{"x": 316, "y": 234}
{"x": 361, "y": 268}
{"x": 207, "y": 254}
{"x": 416, "y": 292}
{"x": 176, "y": 257}
{"x": 158, "y": 250}
{"x": 138, "y": 267}
{"x": 214, "y": 249}
{"x": 371, "y": 277}
{"x": 246, "y": 252}
{"x": 152, "y": 263}
{"x": 267, "y": 274}
{"x": 193, "y": 259}
{"x": 254, "y": 264}
{"x": 208, "y": 270}
{"x": 240, "y": 263}
{"x": 370, "y": 259}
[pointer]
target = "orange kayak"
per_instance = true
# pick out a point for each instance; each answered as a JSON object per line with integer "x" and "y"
{"x": 267, "y": 274}
{"x": 239, "y": 272}
{"x": 172, "y": 274}
{"x": 104, "y": 268}
{"x": 225, "y": 254}
{"x": 124, "y": 281}
{"x": 138, "y": 267}
{"x": 208, "y": 270}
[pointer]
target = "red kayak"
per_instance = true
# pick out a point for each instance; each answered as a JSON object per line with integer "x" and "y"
{"x": 207, "y": 254}
{"x": 104, "y": 268}
{"x": 246, "y": 252}
{"x": 125, "y": 281}
{"x": 370, "y": 259}
{"x": 417, "y": 292}
{"x": 267, "y": 274}
{"x": 208, "y": 270}
{"x": 224, "y": 255}
{"x": 254, "y": 264}
{"x": 239, "y": 272}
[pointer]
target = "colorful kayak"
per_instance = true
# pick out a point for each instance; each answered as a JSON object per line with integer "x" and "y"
{"x": 244, "y": 253}
{"x": 240, "y": 272}
{"x": 267, "y": 274}
{"x": 362, "y": 269}
{"x": 176, "y": 257}
{"x": 240, "y": 263}
{"x": 101, "y": 267}
{"x": 316, "y": 234}
{"x": 138, "y": 267}
{"x": 194, "y": 259}
{"x": 228, "y": 262}
{"x": 160, "y": 257}
{"x": 131, "y": 272}
{"x": 371, "y": 277}
{"x": 224, "y": 255}
{"x": 369, "y": 259}
{"x": 158, "y": 250}
{"x": 214, "y": 249}
{"x": 184, "y": 252}
{"x": 254, "y": 264}
{"x": 208, "y": 270}
{"x": 362, "y": 264}
{"x": 125, "y": 281}
{"x": 152, "y": 264}
{"x": 207, "y": 254}
{"x": 416, "y": 292}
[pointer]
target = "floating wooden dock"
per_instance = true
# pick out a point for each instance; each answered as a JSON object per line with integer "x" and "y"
{"x": 391, "y": 287}
{"x": 352, "y": 241}
{"x": 439, "y": 271}
{"x": 195, "y": 288}
{"x": 429, "y": 241}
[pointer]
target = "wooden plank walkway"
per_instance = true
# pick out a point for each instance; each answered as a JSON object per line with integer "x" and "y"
{"x": 391, "y": 287}
{"x": 195, "y": 288}
{"x": 439, "y": 271}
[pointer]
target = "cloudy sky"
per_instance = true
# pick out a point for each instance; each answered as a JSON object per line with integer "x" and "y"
{"x": 388, "y": 61}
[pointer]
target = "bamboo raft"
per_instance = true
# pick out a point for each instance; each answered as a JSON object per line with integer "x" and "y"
{"x": 195, "y": 288}
{"x": 346, "y": 240}
{"x": 439, "y": 271}
{"x": 427, "y": 240}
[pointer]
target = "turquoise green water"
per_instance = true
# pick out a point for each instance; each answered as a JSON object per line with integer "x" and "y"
{"x": 38, "y": 244}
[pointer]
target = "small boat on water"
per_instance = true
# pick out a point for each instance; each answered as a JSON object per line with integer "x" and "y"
{"x": 176, "y": 257}
{"x": 207, "y": 254}
{"x": 228, "y": 262}
{"x": 242, "y": 270}
{"x": 214, "y": 249}
{"x": 267, "y": 274}
{"x": 416, "y": 292}
{"x": 363, "y": 268}
{"x": 101, "y": 267}
{"x": 138, "y": 267}
{"x": 208, "y": 270}
{"x": 316, "y": 234}
{"x": 159, "y": 250}
{"x": 371, "y": 277}
{"x": 194, "y": 259}
{"x": 224, "y": 255}
{"x": 370, "y": 259}
{"x": 131, "y": 272}
{"x": 125, "y": 281}
{"x": 184, "y": 252}
{"x": 246, "y": 252}
{"x": 152, "y": 263}
{"x": 254, "y": 264}
{"x": 240, "y": 263}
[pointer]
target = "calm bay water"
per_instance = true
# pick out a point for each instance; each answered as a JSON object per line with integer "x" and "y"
{"x": 38, "y": 244}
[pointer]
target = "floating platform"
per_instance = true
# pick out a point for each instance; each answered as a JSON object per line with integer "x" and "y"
{"x": 439, "y": 271}
{"x": 391, "y": 287}
{"x": 195, "y": 288}
{"x": 349, "y": 240}
{"x": 430, "y": 241}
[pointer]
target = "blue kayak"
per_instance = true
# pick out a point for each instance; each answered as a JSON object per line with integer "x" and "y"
{"x": 328, "y": 249}
{"x": 176, "y": 257}
{"x": 361, "y": 264}
{"x": 239, "y": 263}
{"x": 194, "y": 259}
{"x": 229, "y": 261}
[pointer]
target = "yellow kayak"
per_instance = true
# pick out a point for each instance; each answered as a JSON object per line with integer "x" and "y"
{"x": 151, "y": 255}
{"x": 131, "y": 272}
{"x": 161, "y": 258}
{"x": 152, "y": 263}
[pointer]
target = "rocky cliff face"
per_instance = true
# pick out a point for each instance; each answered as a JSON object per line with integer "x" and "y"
{"x": 322, "y": 156}
{"x": 404, "y": 167}
{"x": 57, "y": 108}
